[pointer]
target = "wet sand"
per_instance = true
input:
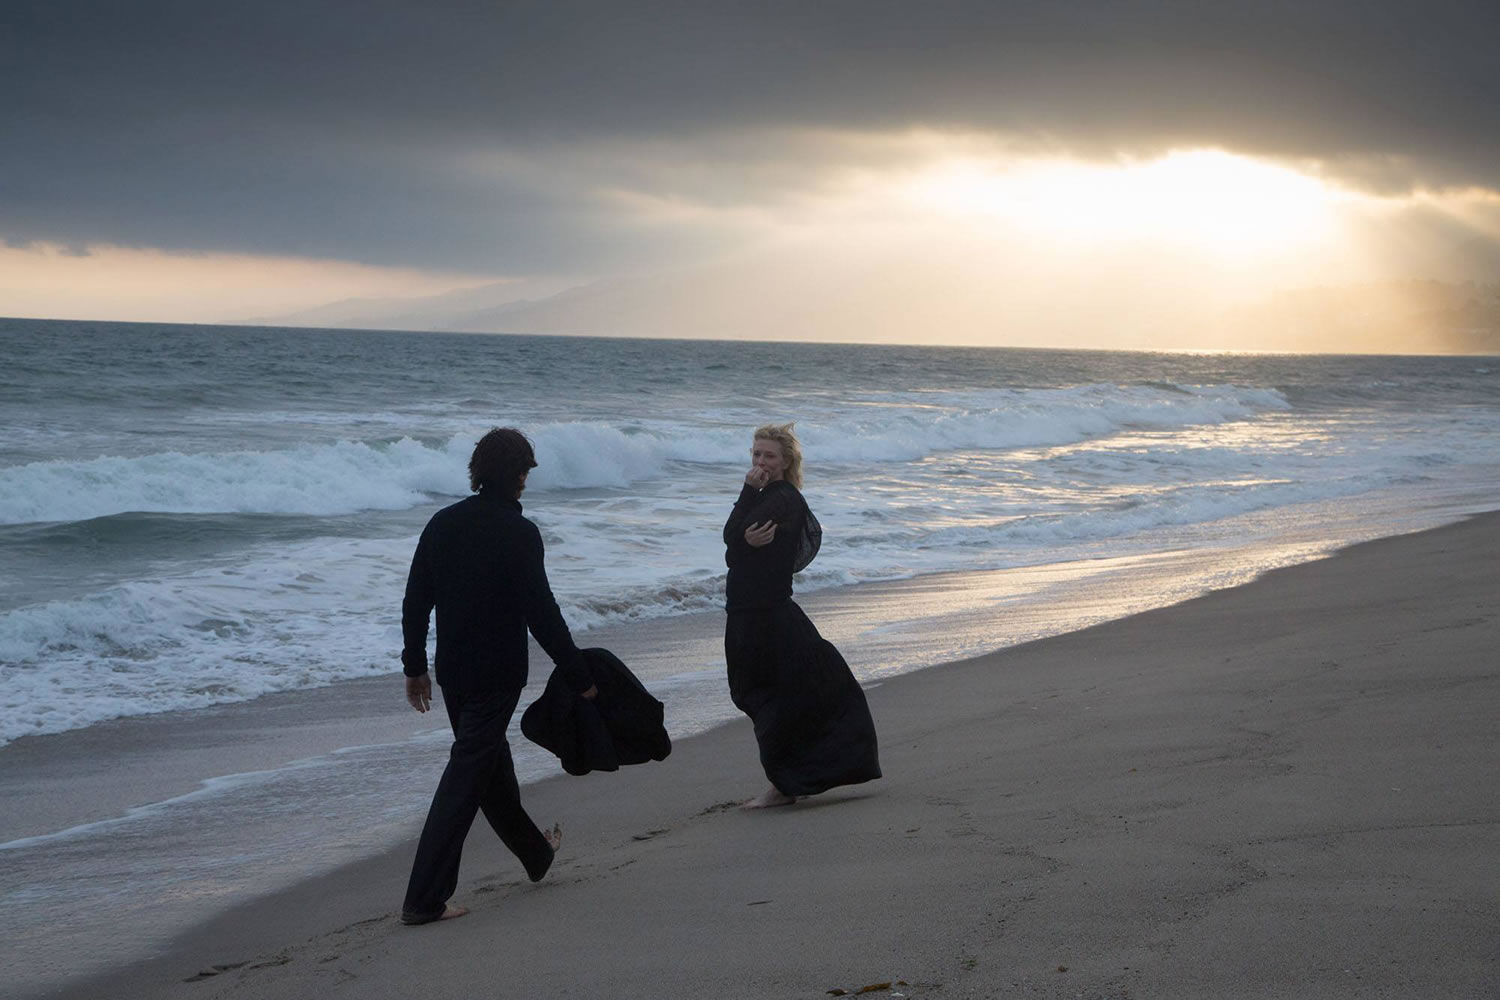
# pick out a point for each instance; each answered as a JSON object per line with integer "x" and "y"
{"x": 1285, "y": 789}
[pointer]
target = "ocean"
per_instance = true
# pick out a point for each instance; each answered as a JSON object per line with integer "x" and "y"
{"x": 211, "y": 526}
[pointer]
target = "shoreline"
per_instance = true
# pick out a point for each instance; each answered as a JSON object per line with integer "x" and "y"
{"x": 1012, "y": 778}
{"x": 889, "y": 622}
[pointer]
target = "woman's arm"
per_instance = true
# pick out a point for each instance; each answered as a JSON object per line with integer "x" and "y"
{"x": 776, "y": 510}
{"x": 734, "y": 528}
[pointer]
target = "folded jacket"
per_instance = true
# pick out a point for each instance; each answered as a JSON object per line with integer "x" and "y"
{"x": 622, "y": 725}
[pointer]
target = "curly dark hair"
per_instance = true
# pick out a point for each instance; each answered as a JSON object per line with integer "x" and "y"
{"x": 499, "y": 461}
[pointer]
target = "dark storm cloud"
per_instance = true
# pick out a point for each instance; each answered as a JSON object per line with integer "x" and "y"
{"x": 359, "y": 128}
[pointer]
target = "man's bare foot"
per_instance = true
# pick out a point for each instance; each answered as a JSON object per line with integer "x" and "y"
{"x": 553, "y": 837}
{"x": 450, "y": 912}
{"x": 772, "y": 796}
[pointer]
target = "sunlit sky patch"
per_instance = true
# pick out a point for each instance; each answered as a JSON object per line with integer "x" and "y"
{"x": 1209, "y": 199}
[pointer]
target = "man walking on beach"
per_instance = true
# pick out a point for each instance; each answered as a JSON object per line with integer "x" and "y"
{"x": 479, "y": 563}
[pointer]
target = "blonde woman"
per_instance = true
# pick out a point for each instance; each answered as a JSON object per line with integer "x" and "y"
{"x": 811, "y": 720}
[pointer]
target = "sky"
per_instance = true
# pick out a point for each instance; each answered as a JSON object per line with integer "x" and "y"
{"x": 963, "y": 172}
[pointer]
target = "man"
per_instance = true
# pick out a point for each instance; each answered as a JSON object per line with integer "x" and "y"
{"x": 479, "y": 563}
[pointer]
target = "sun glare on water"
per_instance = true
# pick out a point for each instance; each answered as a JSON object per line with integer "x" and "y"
{"x": 1202, "y": 198}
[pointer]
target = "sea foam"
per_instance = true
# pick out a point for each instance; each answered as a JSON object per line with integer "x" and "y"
{"x": 345, "y": 477}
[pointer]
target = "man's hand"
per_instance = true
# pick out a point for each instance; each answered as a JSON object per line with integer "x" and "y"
{"x": 419, "y": 692}
{"x": 761, "y": 534}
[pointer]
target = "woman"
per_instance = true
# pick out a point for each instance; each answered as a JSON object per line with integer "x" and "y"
{"x": 811, "y": 720}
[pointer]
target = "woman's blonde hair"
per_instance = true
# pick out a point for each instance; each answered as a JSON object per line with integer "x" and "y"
{"x": 791, "y": 449}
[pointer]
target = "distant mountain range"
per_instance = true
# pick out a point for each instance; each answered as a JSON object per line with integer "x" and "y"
{"x": 1402, "y": 317}
{"x": 448, "y": 311}
{"x": 637, "y": 307}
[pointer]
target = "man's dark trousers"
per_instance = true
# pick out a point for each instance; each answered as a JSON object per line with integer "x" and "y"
{"x": 480, "y": 775}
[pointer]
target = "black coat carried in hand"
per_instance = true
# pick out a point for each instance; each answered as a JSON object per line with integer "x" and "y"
{"x": 623, "y": 724}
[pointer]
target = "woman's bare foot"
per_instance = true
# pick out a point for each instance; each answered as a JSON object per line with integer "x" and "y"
{"x": 450, "y": 912}
{"x": 554, "y": 837}
{"x": 772, "y": 796}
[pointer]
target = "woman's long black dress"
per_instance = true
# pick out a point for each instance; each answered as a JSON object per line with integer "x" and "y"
{"x": 811, "y": 719}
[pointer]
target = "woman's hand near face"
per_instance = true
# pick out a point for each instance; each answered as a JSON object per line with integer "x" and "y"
{"x": 757, "y": 477}
{"x": 758, "y": 535}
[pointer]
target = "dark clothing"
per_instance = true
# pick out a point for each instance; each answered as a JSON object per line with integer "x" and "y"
{"x": 479, "y": 562}
{"x": 479, "y": 775}
{"x": 811, "y": 720}
{"x": 762, "y": 577}
{"x": 623, "y": 725}
{"x": 812, "y": 723}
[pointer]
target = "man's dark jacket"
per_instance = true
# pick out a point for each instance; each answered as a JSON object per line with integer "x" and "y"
{"x": 624, "y": 725}
{"x": 479, "y": 562}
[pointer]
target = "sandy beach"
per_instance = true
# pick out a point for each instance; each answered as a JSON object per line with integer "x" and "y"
{"x": 1285, "y": 789}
